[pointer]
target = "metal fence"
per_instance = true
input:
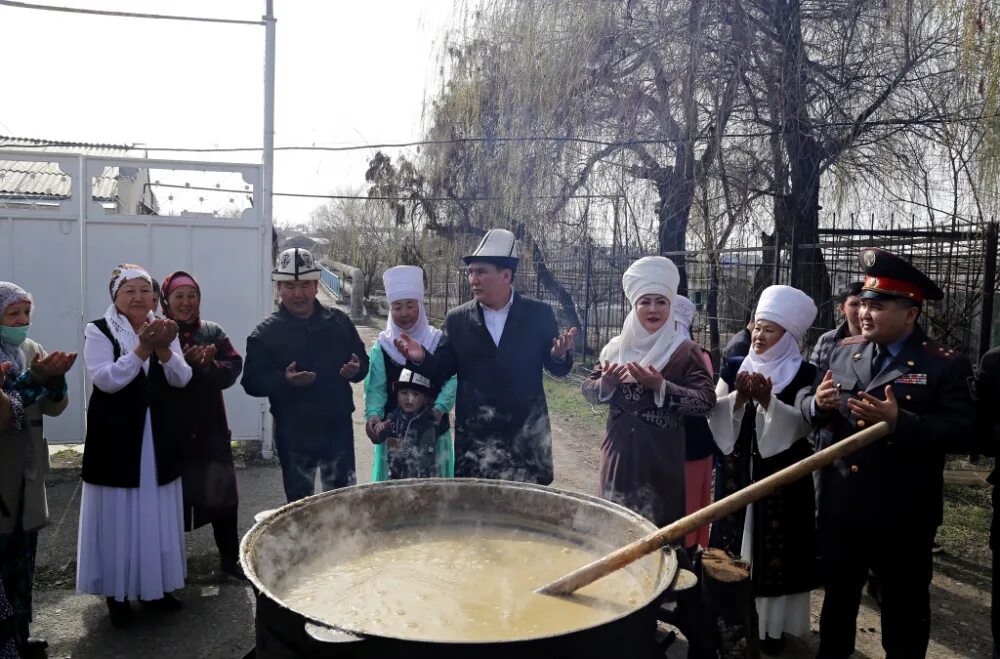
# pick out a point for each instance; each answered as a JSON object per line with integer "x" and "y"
{"x": 725, "y": 283}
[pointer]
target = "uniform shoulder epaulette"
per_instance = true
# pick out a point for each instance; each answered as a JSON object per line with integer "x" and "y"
{"x": 939, "y": 349}
{"x": 852, "y": 341}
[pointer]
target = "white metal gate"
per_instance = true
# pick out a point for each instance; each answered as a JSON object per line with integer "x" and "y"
{"x": 63, "y": 247}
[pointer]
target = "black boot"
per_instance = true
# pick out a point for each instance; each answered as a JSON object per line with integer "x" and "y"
{"x": 166, "y": 603}
{"x": 121, "y": 613}
{"x": 773, "y": 646}
{"x": 227, "y": 539}
{"x": 232, "y": 569}
{"x": 34, "y": 648}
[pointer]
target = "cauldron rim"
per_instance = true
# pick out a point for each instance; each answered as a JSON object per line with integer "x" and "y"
{"x": 668, "y": 571}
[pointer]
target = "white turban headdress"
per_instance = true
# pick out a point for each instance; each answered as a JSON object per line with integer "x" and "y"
{"x": 682, "y": 310}
{"x": 656, "y": 275}
{"x": 794, "y": 311}
{"x": 406, "y": 282}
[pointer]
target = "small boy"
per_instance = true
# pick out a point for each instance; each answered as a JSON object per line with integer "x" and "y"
{"x": 410, "y": 431}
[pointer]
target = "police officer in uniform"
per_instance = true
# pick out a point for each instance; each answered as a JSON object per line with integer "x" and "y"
{"x": 880, "y": 507}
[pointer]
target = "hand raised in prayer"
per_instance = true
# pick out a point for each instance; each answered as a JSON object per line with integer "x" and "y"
{"x": 410, "y": 348}
{"x": 760, "y": 389}
{"x": 613, "y": 375}
{"x": 298, "y": 378}
{"x": 53, "y": 365}
{"x": 647, "y": 376}
{"x": 4, "y": 367}
{"x": 200, "y": 356}
{"x": 210, "y": 351}
{"x": 827, "y": 395}
{"x": 563, "y": 343}
{"x": 744, "y": 388}
{"x": 350, "y": 369}
{"x": 165, "y": 333}
{"x": 157, "y": 334}
{"x": 872, "y": 410}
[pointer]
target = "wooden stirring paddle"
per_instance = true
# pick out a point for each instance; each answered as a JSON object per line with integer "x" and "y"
{"x": 658, "y": 539}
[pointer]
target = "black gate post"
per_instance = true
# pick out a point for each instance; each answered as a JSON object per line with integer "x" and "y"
{"x": 989, "y": 286}
{"x": 793, "y": 257}
{"x": 775, "y": 276}
{"x": 586, "y": 303}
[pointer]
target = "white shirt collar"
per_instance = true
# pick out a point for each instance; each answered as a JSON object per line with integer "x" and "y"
{"x": 496, "y": 319}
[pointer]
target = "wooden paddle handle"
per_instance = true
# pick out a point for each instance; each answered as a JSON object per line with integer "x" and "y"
{"x": 621, "y": 557}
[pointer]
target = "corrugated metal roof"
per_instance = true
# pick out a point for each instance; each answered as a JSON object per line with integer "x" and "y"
{"x": 32, "y": 179}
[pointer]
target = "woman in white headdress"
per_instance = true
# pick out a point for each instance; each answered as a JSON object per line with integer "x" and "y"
{"x": 651, "y": 375}
{"x": 404, "y": 290}
{"x": 131, "y": 536}
{"x": 759, "y": 429}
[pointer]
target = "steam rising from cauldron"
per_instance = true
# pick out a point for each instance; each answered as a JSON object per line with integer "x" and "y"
{"x": 523, "y": 454}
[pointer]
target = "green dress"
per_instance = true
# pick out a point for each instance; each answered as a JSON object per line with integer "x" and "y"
{"x": 377, "y": 392}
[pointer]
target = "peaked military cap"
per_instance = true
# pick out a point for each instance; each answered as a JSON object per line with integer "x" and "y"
{"x": 888, "y": 276}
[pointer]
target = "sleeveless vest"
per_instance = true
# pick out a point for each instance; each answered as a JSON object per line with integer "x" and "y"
{"x": 115, "y": 424}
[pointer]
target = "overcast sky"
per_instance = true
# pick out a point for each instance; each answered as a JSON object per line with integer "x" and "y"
{"x": 348, "y": 72}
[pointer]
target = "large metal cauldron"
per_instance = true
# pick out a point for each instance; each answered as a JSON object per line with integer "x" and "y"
{"x": 299, "y": 530}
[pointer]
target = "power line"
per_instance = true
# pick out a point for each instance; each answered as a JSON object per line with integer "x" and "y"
{"x": 539, "y": 138}
{"x": 127, "y": 14}
{"x": 307, "y": 195}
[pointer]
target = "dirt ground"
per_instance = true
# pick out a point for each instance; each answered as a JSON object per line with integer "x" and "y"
{"x": 217, "y": 619}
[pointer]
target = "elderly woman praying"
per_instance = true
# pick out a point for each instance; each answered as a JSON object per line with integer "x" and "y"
{"x": 34, "y": 382}
{"x": 210, "y": 494}
{"x": 759, "y": 430}
{"x": 652, "y": 376}
{"x": 404, "y": 289}
{"x": 131, "y": 540}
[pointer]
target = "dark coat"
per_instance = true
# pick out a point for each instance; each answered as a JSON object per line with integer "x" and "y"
{"x": 897, "y": 481}
{"x": 501, "y": 419}
{"x": 322, "y": 343}
{"x": 988, "y": 400}
{"x": 209, "y": 474}
{"x": 643, "y": 452}
{"x": 820, "y": 355}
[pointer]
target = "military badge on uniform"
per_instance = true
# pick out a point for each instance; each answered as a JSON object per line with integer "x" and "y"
{"x": 868, "y": 258}
{"x": 912, "y": 378}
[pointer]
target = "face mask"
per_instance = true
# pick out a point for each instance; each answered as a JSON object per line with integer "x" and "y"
{"x": 14, "y": 335}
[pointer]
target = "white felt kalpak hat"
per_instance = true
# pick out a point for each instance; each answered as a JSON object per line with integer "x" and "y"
{"x": 403, "y": 282}
{"x": 295, "y": 264}
{"x": 498, "y": 246}
{"x": 788, "y": 307}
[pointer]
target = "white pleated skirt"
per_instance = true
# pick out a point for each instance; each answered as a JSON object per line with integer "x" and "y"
{"x": 131, "y": 540}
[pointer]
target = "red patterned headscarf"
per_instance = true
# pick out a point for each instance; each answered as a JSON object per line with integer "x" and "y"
{"x": 171, "y": 283}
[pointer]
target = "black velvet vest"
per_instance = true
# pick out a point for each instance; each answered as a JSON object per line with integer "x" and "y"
{"x": 115, "y": 425}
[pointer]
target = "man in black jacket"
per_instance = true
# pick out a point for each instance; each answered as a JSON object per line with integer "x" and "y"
{"x": 988, "y": 395}
{"x": 880, "y": 506}
{"x": 498, "y": 345}
{"x": 303, "y": 358}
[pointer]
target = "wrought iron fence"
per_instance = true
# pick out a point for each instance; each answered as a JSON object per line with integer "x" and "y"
{"x": 724, "y": 283}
